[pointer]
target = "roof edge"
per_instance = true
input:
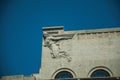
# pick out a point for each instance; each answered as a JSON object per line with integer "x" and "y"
{"x": 117, "y": 29}
{"x": 53, "y": 28}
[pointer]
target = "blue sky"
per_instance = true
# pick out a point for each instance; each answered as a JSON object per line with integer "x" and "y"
{"x": 21, "y": 22}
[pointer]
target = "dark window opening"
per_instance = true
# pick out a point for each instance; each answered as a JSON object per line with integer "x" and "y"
{"x": 64, "y": 74}
{"x": 100, "y": 73}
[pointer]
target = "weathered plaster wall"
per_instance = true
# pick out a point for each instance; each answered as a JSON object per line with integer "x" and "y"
{"x": 88, "y": 51}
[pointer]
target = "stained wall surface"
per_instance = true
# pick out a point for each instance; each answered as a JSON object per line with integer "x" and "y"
{"x": 88, "y": 51}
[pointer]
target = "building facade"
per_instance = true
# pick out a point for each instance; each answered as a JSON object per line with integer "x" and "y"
{"x": 78, "y": 54}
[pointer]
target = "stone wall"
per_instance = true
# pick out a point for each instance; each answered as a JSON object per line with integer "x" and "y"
{"x": 17, "y": 77}
{"x": 89, "y": 50}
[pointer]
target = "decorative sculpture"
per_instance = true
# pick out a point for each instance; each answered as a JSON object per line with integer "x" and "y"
{"x": 52, "y": 43}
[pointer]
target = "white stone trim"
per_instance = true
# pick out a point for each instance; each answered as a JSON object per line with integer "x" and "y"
{"x": 98, "y": 68}
{"x": 63, "y": 69}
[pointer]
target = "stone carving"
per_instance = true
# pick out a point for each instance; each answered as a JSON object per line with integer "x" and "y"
{"x": 52, "y": 42}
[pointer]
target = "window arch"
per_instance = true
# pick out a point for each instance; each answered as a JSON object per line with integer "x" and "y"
{"x": 63, "y": 73}
{"x": 100, "y": 72}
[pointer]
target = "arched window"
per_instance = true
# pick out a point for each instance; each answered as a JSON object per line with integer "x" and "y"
{"x": 100, "y": 73}
{"x": 63, "y": 74}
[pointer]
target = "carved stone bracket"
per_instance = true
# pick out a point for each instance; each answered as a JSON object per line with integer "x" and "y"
{"x": 52, "y": 42}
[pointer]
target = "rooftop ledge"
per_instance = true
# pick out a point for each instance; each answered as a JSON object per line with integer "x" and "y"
{"x": 53, "y": 28}
{"x": 103, "y": 30}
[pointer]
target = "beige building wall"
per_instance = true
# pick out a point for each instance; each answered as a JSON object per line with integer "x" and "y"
{"x": 88, "y": 51}
{"x": 18, "y": 77}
